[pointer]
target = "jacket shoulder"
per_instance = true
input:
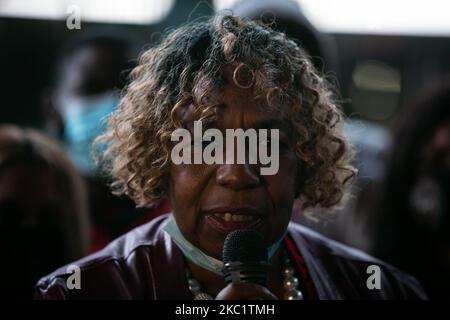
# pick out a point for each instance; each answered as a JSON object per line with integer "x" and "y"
{"x": 345, "y": 264}
{"x": 104, "y": 272}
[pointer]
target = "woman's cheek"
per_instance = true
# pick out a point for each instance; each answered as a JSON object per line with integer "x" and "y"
{"x": 187, "y": 183}
{"x": 281, "y": 188}
{"x": 283, "y": 184}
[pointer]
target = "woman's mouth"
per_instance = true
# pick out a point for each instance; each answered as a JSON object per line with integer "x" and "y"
{"x": 226, "y": 222}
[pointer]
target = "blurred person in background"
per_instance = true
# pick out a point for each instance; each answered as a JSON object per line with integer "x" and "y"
{"x": 90, "y": 74}
{"x": 410, "y": 209}
{"x": 43, "y": 209}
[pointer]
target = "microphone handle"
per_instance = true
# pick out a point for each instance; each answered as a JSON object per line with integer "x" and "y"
{"x": 254, "y": 272}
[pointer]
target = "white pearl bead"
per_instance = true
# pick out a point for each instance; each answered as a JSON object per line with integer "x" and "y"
{"x": 290, "y": 283}
{"x": 288, "y": 271}
{"x": 293, "y": 295}
{"x": 193, "y": 285}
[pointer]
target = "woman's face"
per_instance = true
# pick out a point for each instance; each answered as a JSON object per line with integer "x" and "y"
{"x": 210, "y": 201}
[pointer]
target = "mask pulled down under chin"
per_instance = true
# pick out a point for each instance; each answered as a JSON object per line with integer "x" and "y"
{"x": 200, "y": 258}
{"x": 84, "y": 119}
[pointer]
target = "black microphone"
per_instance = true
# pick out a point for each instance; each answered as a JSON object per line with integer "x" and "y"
{"x": 245, "y": 257}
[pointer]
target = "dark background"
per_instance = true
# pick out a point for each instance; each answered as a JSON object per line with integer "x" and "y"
{"x": 29, "y": 49}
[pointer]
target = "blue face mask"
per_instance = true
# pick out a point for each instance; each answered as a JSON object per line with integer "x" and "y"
{"x": 84, "y": 119}
{"x": 199, "y": 257}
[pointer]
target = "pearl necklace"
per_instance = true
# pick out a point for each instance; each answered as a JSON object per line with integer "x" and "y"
{"x": 290, "y": 283}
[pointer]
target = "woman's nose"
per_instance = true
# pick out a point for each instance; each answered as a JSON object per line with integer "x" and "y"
{"x": 237, "y": 176}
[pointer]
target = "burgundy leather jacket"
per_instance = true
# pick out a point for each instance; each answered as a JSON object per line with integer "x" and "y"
{"x": 146, "y": 264}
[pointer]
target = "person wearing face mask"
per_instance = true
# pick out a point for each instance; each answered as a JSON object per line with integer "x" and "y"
{"x": 411, "y": 208}
{"x": 233, "y": 73}
{"x": 90, "y": 74}
{"x": 84, "y": 119}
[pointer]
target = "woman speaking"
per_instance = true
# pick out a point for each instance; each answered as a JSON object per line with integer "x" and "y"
{"x": 225, "y": 74}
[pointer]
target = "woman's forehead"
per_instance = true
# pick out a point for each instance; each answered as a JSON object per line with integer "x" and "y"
{"x": 234, "y": 105}
{"x": 224, "y": 119}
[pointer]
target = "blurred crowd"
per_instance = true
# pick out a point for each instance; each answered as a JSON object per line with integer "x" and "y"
{"x": 56, "y": 206}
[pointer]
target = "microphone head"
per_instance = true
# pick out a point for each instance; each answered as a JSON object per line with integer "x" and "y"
{"x": 244, "y": 246}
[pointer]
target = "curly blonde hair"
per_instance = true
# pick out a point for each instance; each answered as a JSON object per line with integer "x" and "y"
{"x": 187, "y": 67}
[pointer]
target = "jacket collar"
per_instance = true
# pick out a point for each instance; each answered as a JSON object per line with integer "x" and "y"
{"x": 324, "y": 285}
{"x": 168, "y": 282}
